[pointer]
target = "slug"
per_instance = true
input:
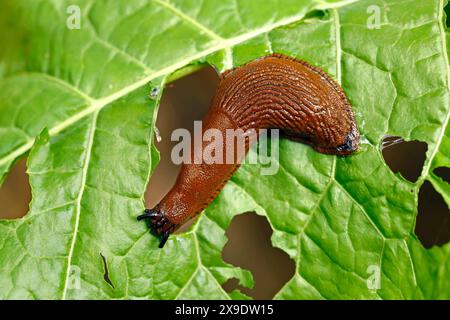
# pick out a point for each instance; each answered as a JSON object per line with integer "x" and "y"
{"x": 275, "y": 91}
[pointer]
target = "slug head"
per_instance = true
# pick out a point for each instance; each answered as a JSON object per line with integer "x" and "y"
{"x": 341, "y": 140}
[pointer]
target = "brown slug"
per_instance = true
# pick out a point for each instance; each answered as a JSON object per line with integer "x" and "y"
{"x": 275, "y": 91}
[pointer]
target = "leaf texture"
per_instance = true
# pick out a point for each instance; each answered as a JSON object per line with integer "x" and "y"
{"x": 76, "y": 101}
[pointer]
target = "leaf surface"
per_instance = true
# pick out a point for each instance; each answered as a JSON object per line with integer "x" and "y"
{"x": 77, "y": 102}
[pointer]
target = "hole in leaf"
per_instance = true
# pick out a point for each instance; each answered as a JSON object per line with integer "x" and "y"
{"x": 433, "y": 219}
{"x": 249, "y": 247}
{"x": 15, "y": 193}
{"x": 443, "y": 173}
{"x": 184, "y": 101}
{"x": 406, "y": 157}
{"x": 106, "y": 271}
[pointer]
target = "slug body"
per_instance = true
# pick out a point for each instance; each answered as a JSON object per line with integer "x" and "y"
{"x": 272, "y": 92}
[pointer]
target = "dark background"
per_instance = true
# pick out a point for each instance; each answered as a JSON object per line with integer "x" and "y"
{"x": 249, "y": 245}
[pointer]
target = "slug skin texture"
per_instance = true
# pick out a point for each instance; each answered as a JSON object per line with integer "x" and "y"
{"x": 273, "y": 92}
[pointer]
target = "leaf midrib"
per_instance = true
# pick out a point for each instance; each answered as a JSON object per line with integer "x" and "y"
{"x": 85, "y": 168}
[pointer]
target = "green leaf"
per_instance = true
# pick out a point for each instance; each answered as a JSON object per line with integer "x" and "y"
{"x": 76, "y": 101}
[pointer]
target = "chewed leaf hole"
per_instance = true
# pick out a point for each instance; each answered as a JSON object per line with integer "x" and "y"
{"x": 106, "y": 271}
{"x": 404, "y": 157}
{"x": 249, "y": 247}
{"x": 443, "y": 173}
{"x": 183, "y": 101}
{"x": 15, "y": 193}
{"x": 433, "y": 219}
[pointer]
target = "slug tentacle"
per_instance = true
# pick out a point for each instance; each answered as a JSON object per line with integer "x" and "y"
{"x": 278, "y": 92}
